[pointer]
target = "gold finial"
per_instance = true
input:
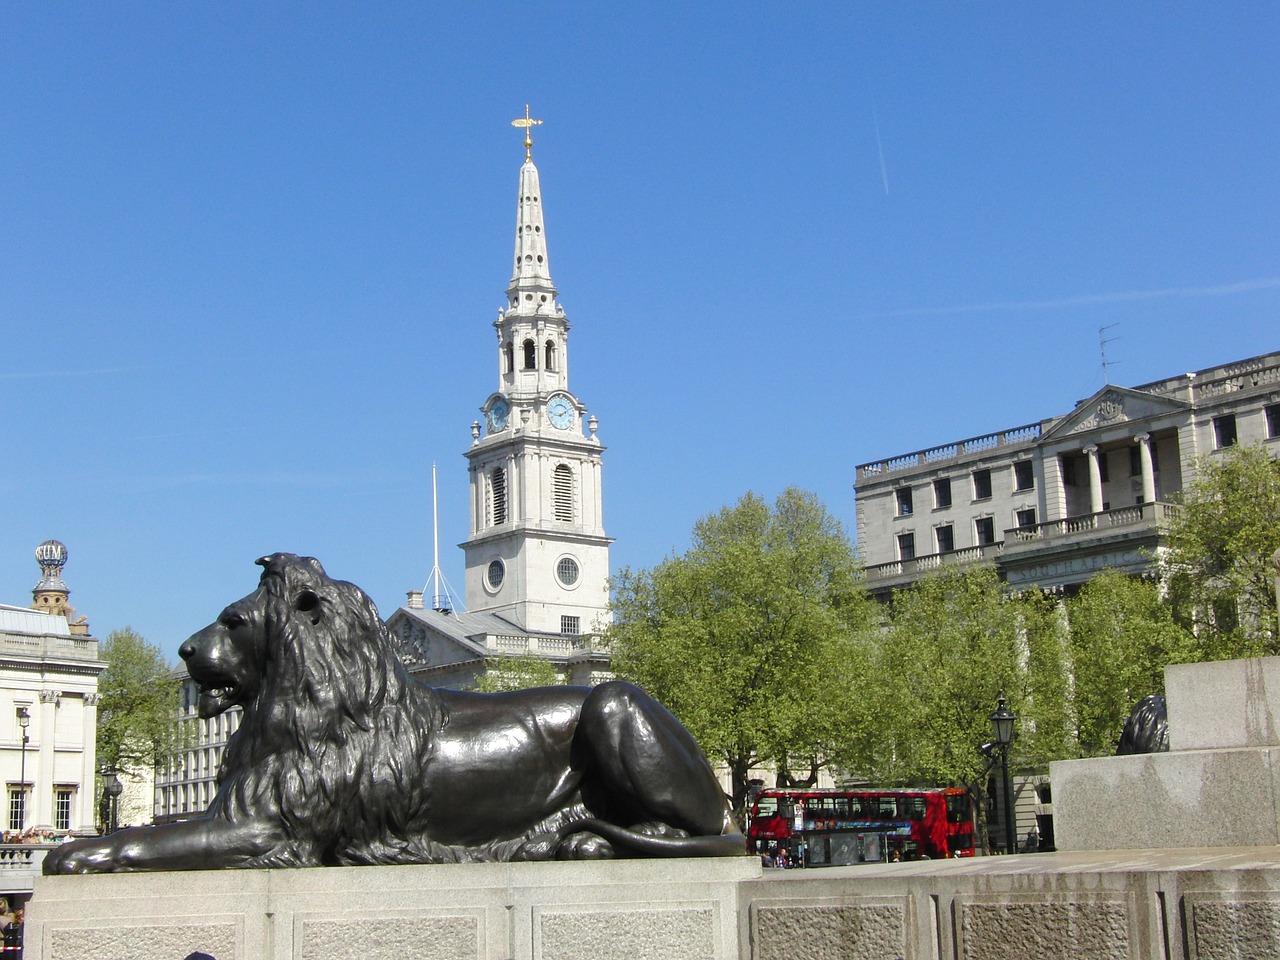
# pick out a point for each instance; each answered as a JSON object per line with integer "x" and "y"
{"x": 527, "y": 122}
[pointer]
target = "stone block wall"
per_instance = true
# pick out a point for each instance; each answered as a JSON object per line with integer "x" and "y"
{"x": 1142, "y": 905}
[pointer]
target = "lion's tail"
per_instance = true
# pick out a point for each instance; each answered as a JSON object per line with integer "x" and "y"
{"x": 720, "y": 845}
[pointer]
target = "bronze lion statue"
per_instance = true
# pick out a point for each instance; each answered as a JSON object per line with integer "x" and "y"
{"x": 344, "y": 758}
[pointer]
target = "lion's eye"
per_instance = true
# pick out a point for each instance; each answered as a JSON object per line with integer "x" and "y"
{"x": 232, "y": 620}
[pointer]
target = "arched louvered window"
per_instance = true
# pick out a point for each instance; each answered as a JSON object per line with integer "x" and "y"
{"x": 562, "y": 492}
{"x": 530, "y": 355}
{"x": 549, "y": 360}
{"x": 498, "y": 495}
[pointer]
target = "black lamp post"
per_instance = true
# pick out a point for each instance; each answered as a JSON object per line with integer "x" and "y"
{"x": 24, "y": 721}
{"x": 112, "y": 787}
{"x": 1002, "y": 734}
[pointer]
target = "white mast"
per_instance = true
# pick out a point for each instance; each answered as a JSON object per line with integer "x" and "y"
{"x": 437, "y": 579}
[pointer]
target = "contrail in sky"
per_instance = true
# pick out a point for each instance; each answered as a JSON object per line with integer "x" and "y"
{"x": 1118, "y": 296}
{"x": 884, "y": 173}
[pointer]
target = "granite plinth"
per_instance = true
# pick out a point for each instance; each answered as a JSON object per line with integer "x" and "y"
{"x": 1219, "y": 784}
{"x": 658, "y": 909}
{"x": 1127, "y": 905}
{"x": 1230, "y": 703}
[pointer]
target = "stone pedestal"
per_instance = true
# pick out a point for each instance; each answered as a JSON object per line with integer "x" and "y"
{"x": 1219, "y": 784}
{"x": 1219, "y": 904}
{"x": 643, "y": 909}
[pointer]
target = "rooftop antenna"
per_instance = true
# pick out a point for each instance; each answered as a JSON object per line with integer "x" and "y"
{"x": 1103, "y": 340}
{"x": 437, "y": 575}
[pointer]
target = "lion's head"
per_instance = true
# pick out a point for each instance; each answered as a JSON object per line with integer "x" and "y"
{"x": 298, "y": 633}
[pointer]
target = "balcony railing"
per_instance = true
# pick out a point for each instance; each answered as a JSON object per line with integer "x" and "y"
{"x": 556, "y": 646}
{"x": 49, "y": 648}
{"x": 1140, "y": 514}
{"x": 1014, "y": 435}
{"x": 932, "y": 561}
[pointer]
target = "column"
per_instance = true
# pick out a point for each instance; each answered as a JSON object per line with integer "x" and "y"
{"x": 1143, "y": 440}
{"x": 40, "y": 811}
{"x": 83, "y": 810}
{"x": 1095, "y": 479}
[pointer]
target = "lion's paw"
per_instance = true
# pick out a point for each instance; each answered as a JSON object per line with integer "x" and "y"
{"x": 80, "y": 856}
{"x": 585, "y": 846}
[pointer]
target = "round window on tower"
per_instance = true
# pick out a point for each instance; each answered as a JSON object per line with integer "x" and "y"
{"x": 493, "y": 576}
{"x": 567, "y": 571}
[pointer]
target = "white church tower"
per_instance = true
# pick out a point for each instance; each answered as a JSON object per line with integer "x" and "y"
{"x": 537, "y": 554}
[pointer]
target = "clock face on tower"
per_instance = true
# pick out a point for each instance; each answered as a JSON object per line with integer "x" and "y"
{"x": 560, "y": 412}
{"x": 497, "y": 414}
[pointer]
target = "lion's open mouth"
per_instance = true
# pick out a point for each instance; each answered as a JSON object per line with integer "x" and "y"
{"x": 215, "y": 699}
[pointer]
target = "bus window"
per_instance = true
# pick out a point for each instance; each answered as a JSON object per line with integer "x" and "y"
{"x": 911, "y": 808}
{"x": 886, "y": 808}
{"x": 957, "y": 807}
{"x": 766, "y": 806}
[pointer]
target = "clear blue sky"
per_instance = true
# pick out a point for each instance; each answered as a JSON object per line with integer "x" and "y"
{"x": 250, "y": 255}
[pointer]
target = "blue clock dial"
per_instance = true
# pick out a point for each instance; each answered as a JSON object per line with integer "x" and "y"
{"x": 497, "y": 415}
{"x": 560, "y": 412}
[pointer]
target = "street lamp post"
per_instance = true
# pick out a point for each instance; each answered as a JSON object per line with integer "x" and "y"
{"x": 112, "y": 787}
{"x": 24, "y": 721}
{"x": 1002, "y": 735}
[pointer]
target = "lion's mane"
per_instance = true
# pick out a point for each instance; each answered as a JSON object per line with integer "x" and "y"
{"x": 332, "y": 743}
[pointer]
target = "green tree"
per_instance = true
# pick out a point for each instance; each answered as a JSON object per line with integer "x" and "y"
{"x": 952, "y": 647}
{"x": 502, "y": 674}
{"x": 1122, "y": 636}
{"x": 138, "y": 705}
{"x": 756, "y": 638}
{"x": 1219, "y": 550}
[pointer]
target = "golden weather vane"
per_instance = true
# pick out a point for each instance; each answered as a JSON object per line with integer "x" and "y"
{"x": 528, "y": 123}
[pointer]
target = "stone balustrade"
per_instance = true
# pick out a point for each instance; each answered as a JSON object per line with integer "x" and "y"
{"x": 933, "y": 561}
{"x": 1148, "y": 514}
{"x": 1015, "y": 435}
{"x": 554, "y": 645}
{"x": 47, "y": 648}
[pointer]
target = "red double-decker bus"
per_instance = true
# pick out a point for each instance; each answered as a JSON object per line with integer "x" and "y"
{"x": 836, "y": 827}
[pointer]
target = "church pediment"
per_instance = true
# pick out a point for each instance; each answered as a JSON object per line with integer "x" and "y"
{"x": 1110, "y": 406}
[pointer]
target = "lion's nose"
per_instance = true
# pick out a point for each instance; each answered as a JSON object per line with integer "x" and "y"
{"x": 188, "y": 649}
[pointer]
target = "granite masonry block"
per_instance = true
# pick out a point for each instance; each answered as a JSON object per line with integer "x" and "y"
{"x": 1231, "y": 703}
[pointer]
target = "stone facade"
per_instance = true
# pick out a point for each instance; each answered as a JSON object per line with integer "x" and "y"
{"x": 1052, "y": 502}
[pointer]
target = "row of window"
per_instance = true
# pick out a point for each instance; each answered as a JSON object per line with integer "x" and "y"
{"x": 567, "y": 572}
{"x": 944, "y": 535}
{"x": 1024, "y": 479}
{"x": 1224, "y": 427}
{"x": 63, "y": 797}
{"x": 562, "y": 495}
{"x": 529, "y": 356}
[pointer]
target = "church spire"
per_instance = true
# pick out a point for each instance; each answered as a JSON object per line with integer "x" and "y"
{"x": 531, "y": 289}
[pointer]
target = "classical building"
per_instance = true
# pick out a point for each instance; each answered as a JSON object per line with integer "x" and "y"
{"x": 537, "y": 557}
{"x": 49, "y": 671}
{"x": 1052, "y": 502}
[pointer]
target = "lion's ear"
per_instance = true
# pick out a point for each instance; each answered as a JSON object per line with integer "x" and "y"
{"x": 308, "y": 601}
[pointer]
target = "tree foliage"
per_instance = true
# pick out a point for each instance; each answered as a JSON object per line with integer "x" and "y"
{"x": 1219, "y": 550}
{"x": 756, "y": 638}
{"x": 138, "y": 705}
{"x": 502, "y": 674}
{"x": 1122, "y": 636}
{"x": 952, "y": 647}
